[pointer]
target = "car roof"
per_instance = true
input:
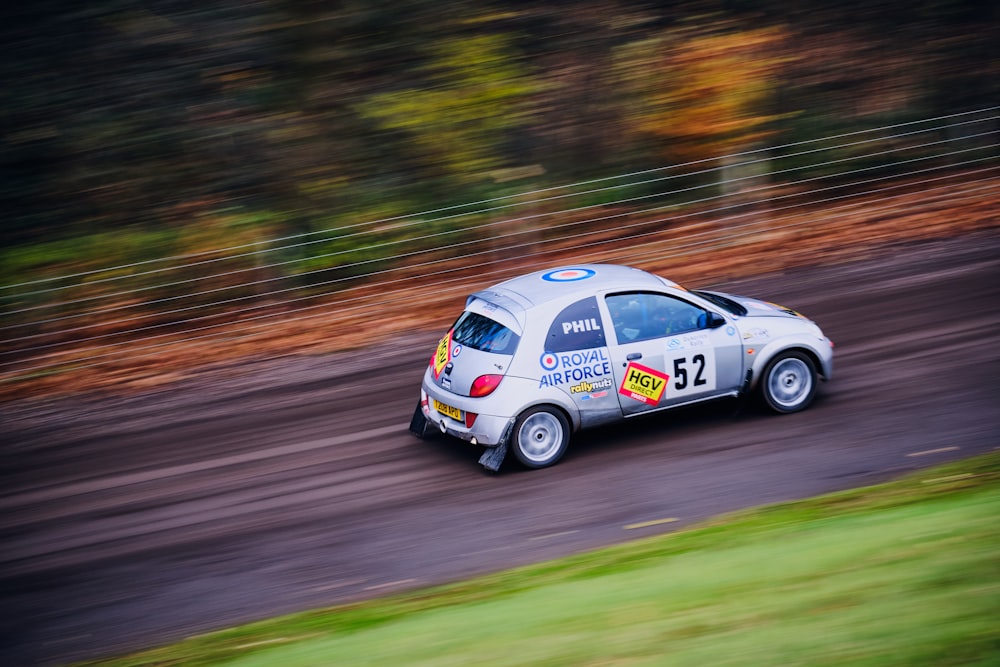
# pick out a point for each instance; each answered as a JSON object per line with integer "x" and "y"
{"x": 540, "y": 287}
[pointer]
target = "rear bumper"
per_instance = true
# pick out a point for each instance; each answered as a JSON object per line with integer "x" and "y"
{"x": 486, "y": 430}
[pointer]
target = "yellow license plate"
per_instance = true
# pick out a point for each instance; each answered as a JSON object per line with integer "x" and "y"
{"x": 444, "y": 409}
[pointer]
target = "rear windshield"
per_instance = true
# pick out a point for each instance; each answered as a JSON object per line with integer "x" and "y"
{"x": 481, "y": 333}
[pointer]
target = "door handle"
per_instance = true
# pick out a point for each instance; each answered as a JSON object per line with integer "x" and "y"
{"x": 633, "y": 356}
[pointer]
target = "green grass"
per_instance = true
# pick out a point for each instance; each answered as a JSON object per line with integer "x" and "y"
{"x": 906, "y": 573}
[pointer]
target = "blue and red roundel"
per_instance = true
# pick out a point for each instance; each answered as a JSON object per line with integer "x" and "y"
{"x": 568, "y": 275}
{"x": 548, "y": 361}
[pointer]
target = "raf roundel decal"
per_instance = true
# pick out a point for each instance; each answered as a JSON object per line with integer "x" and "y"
{"x": 549, "y": 361}
{"x": 568, "y": 275}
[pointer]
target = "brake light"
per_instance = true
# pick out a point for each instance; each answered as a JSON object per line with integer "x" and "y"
{"x": 484, "y": 385}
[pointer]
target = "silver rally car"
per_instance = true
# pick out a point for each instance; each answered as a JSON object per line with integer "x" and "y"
{"x": 536, "y": 358}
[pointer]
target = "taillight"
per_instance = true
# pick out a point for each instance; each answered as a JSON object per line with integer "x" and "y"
{"x": 484, "y": 385}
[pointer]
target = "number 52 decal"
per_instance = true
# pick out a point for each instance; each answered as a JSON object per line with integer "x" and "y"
{"x": 694, "y": 374}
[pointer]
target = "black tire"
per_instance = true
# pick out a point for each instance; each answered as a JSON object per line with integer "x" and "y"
{"x": 789, "y": 382}
{"x": 540, "y": 436}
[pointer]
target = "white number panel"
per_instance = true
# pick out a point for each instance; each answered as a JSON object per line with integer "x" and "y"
{"x": 690, "y": 363}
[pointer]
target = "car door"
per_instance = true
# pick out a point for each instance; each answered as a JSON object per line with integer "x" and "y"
{"x": 668, "y": 351}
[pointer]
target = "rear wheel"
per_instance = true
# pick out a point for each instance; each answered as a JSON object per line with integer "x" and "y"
{"x": 540, "y": 437}
{"x": 789, "y": 382}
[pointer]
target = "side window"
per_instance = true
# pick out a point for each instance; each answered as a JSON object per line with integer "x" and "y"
{"x": 577, "y": 327}
{"x": 645, "y": 315}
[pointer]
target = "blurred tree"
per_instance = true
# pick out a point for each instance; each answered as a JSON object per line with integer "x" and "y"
{"x": 473, "y": 99}
{"x": 140, "y": 106}
{"x": 134, "y": 117}
{"x": 703, "y": 96}
{"x": 576, "y": 131}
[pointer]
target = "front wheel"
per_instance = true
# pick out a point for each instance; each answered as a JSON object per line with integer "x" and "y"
{"x": 789, "y": 382}
{"x": 540, "y": 437}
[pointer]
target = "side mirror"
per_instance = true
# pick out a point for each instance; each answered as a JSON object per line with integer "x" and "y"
{"x": 715, "y": 320}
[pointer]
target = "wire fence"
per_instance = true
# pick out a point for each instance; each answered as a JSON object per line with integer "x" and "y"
{"x": 247, "y": 292}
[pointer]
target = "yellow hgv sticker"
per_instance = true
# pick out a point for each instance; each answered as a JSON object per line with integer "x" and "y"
{"x": 643, "y": 384}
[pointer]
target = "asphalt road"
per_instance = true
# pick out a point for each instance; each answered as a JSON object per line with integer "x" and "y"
{"x": 293, "y": 483}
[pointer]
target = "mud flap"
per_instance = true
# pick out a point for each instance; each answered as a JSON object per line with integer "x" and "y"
{"x": 419, "y": 425}
{"x": 743, "y": 397}
{"x": 493, "y": 457}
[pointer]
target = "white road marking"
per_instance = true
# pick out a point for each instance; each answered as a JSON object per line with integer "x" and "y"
{"x": 552, "y": 535}
{"x": 939, "y": 450}
{"x": 390, "y": 584}
{"x": 340, "y": 584}
{"x": 654, "y": 522}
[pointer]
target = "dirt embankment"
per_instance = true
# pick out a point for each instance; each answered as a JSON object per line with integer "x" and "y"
{"x": 689, "y": 249}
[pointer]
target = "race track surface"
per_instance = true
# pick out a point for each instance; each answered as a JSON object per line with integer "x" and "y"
{"x": 293, "y": 483}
